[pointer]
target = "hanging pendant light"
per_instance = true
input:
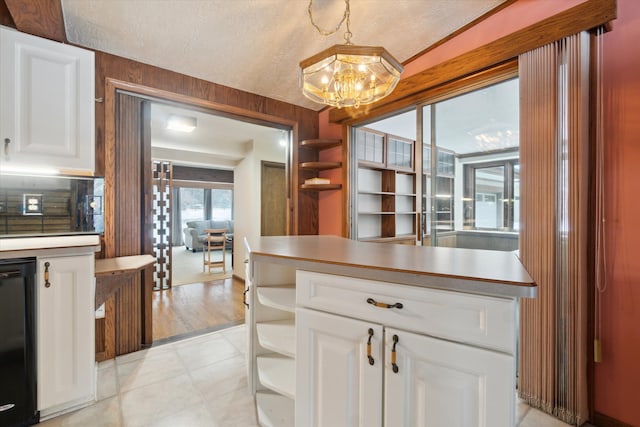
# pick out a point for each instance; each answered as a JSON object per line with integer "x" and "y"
{"x": 348, "y": 75}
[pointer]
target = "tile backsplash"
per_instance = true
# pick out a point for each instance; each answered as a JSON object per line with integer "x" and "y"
{"x": 40, "y": 205}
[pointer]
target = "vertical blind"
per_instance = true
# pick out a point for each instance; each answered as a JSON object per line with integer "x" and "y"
{"x": 554, "y": 156}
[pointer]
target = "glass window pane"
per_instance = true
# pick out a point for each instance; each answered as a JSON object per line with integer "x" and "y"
{"x": 221, "y": 204}
{"x": 191, "y": 205}
{"x": 489, "y": 185}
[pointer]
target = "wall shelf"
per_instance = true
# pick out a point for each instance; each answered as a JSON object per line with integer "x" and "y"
{"x": 321, "y": 166}
{"x": 321, "y": 144}
{"x": 320, "y": 187}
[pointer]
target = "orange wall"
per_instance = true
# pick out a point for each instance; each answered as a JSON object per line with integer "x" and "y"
{"x": 617, "y": 378}
{"x": 330, "y": 202}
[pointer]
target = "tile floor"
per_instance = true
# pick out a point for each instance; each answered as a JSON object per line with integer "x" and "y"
{"x": 196, "y": 382}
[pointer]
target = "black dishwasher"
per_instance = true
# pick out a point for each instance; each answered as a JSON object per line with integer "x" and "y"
{"x": 17, "y": 342}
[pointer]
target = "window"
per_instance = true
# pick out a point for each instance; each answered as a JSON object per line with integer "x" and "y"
{"x": 221, "y": 203}
{"x": 471, "y": 141}
{"x": 191, "y": 205}
{"x": 492, "y": 195}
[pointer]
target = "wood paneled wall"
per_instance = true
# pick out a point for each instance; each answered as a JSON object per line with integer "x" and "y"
{"x": 304, "y": 205}
{"x": 187, "y": 173}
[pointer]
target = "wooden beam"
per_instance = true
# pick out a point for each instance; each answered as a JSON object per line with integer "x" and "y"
{"x": 41, "y": 18}
{"x": 584, "y": 16}
{"x": 5, "y": 15}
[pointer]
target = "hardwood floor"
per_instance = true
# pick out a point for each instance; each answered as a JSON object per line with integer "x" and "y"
{"x": 189, "y": 310}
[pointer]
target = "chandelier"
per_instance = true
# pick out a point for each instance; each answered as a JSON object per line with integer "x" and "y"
{"x": 348, "y": 75}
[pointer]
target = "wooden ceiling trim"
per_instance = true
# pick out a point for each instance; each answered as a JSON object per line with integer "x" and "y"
{"x": 41, "y": 18}
{"x": 5, "y": 15}
{"x": 584, "y": 16}
{"x": 461, "y": 30}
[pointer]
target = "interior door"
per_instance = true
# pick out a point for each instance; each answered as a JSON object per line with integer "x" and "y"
{"x": 273, "y": 199}
{"x": 441, "y": 383}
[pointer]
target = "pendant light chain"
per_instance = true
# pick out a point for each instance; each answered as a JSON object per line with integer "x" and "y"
{"x": 345, "y": 17}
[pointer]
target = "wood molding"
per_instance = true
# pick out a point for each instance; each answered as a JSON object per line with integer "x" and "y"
{"x": 5, "y": 16}
{"x": 584, "y": 16}
{"x": 601, "y": 420}
{"x": 462, "y": 29}
{"x": 42, "y": 18}
{"x": 188, "y": 173}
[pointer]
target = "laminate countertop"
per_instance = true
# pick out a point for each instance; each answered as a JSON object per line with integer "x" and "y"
{"x": 475, "y": 271}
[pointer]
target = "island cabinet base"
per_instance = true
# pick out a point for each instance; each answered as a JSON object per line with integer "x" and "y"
{"x": 363, "y": 352}
{"x": 427, "y": 338}
{"x": 383, "y": 354}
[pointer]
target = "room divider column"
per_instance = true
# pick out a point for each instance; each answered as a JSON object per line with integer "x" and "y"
{"x": 162, "y": 175}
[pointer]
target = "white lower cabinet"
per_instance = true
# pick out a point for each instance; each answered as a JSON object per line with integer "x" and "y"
{"x": 65, "y": 331}
{"x": 358, "y": 365}
{"x": 339, "y": 385}
{"x": 361, "y": 352}
{"x": 441, "y": 383}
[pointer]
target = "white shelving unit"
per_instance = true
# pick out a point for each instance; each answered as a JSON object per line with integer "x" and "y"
{"x": 274, "y": 410}
{"x": 273, "y": 349}
{"x": 279, "y": 336}
{"x": 278, "y": 373}
{"x": 280, "y": 297}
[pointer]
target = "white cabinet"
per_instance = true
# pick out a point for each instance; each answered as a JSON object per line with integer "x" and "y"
{"x": 47, "y": 109}
{"x": 271, "y": 348}
{"x": 340, "y": 385}
{"x": 441, "y": 383}
{"x": 439, "y": 358}
{"x": 65, "y": 331}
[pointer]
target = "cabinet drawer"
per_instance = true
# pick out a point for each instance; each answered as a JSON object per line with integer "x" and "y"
{"x": 479, "y": 320}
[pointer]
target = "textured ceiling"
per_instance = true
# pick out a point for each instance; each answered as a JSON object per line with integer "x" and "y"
{"x": 256, "y": 45}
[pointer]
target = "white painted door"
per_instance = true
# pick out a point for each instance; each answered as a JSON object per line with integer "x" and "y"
{"x": 335, "y": 383}
{"x": 65, "y": 330}
{"x": 439, "y": 383}
{"x": 47, "y": 106}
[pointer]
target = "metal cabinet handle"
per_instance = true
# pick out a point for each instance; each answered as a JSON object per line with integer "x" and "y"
{"x": 371, "y": 361}
{"x": 7, "y": 141}
{"x": 384, "y": 305}
{"x": 244, "y": 297}
{"x": 394, "y": 366}
{"x": 47, "y": 284}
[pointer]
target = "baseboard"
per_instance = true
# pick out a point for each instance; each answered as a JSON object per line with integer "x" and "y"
{"x": 238, "y": 278}
{"x": 601, "y": 420}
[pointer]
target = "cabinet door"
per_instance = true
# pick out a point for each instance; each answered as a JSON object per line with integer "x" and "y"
{"x": 47, "y": 103}
{"x": 335, "y": 383}
{"x": 65, "y": 328}
{"x": 440, "y": 383}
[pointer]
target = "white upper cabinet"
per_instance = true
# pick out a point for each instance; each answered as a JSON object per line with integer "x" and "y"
{"x": 47, "y": 111}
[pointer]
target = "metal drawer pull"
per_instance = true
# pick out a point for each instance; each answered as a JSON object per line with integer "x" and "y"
{"x": 384, "y": 305}
{"x": 371, "y": 362}
{"x": 244, "y": 297}
{"x": 47, "y": 284}
{"x": 7, "y": 141}
{"x": 393, "y": 355}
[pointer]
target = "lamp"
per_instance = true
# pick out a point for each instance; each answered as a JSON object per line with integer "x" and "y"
{"x": 181, "y": 123}
{"x": 348, "y": 75}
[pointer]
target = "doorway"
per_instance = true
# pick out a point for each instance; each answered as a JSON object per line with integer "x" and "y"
{"x": 198, "y": 313}
{"x": 273, "y": 199}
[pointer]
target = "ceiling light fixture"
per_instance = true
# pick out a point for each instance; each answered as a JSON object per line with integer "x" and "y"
{"x": 181, "y": 123}
{"x": 348, "y": 75}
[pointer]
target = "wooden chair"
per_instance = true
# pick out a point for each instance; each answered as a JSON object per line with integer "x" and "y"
{"x": 214, "y": 241}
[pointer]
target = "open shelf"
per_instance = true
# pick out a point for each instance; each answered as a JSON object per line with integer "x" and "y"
{"x": 320, "y": 166}
{"x": 278, "y": 373}
{"x": 321, "y": 144}
{"x": 275, "y": 410}
{"x": 278, "y": 336}
{"x": 320, "y": 187}
{"x": 280, "y": 297}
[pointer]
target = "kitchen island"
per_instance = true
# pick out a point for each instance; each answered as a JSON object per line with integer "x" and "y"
{"x": 343, "y": 332}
